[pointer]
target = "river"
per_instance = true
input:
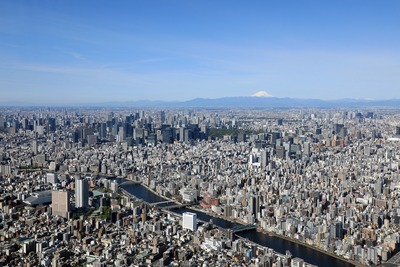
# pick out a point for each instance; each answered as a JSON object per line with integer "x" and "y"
{"x": 276, "y": 243}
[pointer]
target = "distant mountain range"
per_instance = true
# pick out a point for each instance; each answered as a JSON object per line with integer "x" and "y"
{"x": 255, "y": 102}
{"x": 235, "y": 102}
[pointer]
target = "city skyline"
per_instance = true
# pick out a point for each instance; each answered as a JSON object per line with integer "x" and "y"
{"x": 282, "y": 187}
{"x": 63, "y": 52}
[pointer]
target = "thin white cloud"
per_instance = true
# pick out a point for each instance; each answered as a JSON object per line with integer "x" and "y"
{"x": 73, "y": 54}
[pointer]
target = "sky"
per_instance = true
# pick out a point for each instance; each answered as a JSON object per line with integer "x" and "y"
{"x": 54, "y": 51}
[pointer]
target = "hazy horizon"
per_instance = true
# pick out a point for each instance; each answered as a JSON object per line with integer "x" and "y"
{"x": 99, "y": 51}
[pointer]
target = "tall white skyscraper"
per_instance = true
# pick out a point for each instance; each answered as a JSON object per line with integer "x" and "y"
{"x": 190, "y": 221}
{"x": 35, "y": 147}
{"x": 81, "y": 192}
{"x": 307, "y": 149}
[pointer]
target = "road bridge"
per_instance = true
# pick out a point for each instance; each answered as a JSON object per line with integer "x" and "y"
{"x": 241, "y": 228}
{"x": 163, "y": 202}
{"x": 178, "y": 206}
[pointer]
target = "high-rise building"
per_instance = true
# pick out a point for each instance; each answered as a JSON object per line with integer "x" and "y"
{"x": 35, "y": 147}
{"x": 162, "y": 115}
{"x": 336, "y": 230}
{"x": 121, "y": 134}
{"x": 52, "y": 124}
{"x": 114, "y": 186}
{"x": 337, "y": 127}
{"x": 85, "y": 132}
{"x": 81, "y": 192}
{"x": 182, "y": 134}
{"x": 2, "y": 123}
{"x": 190, "y": 221}
{"x": 103, "y": 131}
{"x": 306, "y": 149}
{"x": 398, "y": 130}
{"x": 264, "y": 158}
{"x": 60, "y": 203}
{"x": 280, "y": 152}
{"x": 254, "y": 204}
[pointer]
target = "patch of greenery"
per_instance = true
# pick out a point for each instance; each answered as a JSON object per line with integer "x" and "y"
{"x": 106, "y": 210}
{"x": 85, "y": 214}
{"x": 220, "y": 132}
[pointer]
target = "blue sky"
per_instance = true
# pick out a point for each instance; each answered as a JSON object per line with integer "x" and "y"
{"x": 97, "y": 51}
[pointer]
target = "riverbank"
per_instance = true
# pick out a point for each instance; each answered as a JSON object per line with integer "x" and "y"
{"x": 313, "y": 247}
{"x": 263, "y": 239}
{"x": 280, "y": 236}
{"x": 283, "y": 237}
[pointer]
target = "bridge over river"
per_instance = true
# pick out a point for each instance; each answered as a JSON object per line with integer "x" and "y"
{"x": 280, "y": 245}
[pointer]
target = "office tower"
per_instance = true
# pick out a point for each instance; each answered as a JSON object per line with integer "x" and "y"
{"x": 103, "y": 131}
{"x": 114, "y": 129}
{"x": 166, "y": 135}
{"x": 280, "y": 152}
{"x": 34, "y": 147}
{"x": 85, "y": 132}
{"x": 188, "y": 135}
{"x": 2, "y": 123}
{"x": 162, "y": 117}
{"x": 205, "y": 131}
{"x": 254, "y": 204}
{"x": 190, "y": 221}
{"x": 264, "y": 158}
{"x": 273, "y": 137}
{"x": 121, "y": 134}
{"x": 306, "y": 149}
{"x": 398, "y": 130}
{"x": 336, "y": 230}
{"x": 337, "y": 127}
{"x": 182, "y": 134}
{"x": 60, "y": 203}
{"x": 128, "y": 130}
{"x": 52, "y": 124}
{"x": 81, "y": 192}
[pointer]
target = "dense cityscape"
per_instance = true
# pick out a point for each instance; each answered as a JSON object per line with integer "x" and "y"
{"x": 199, "y": 133}
{"x": 72, "y": 185}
